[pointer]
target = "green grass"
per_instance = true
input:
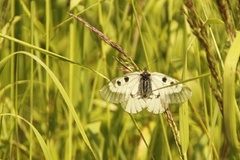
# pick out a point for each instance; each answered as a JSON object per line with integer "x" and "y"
{"x": 52, "y": 68}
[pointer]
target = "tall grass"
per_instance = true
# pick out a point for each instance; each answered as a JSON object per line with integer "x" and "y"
{"x": 52, "y": 68}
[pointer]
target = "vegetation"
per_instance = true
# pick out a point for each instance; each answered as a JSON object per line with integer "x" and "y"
{"x": 52, "y": 68}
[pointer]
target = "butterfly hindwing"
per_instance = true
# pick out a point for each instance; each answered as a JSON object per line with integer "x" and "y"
{"x": 134, "y": 104}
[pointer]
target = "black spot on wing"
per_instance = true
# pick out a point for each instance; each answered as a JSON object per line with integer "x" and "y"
{"x": 118, "y": 83}
{"x": 126, "y": 79}
{"x": 164, "y": 79}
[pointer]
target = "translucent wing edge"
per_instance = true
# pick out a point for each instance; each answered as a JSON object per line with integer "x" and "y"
{"x": 110, "y": 96}
{"x": 181, "y": 96}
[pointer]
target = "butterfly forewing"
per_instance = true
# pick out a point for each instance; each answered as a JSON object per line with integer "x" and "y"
{"x": 178, "y": 93}
{"x": 119, "y": 89}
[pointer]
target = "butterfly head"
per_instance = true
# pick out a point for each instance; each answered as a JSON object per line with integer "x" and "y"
{"x": 145, "y": 75}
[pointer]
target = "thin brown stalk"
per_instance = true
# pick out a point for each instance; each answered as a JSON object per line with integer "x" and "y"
{"x": 106, "y": 39}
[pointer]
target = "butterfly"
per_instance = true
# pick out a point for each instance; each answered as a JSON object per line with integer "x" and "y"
{"x": 145, "y": 90}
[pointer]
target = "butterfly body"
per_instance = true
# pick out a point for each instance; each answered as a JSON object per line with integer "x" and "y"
{"x": 145, "y": 87}
{"x": 138, "y": 90}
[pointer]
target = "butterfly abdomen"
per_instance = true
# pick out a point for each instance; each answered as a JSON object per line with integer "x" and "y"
{"x": 145, "y": 87}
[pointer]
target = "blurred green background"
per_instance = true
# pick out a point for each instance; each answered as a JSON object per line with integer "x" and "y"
{"x": 52, "y": 68}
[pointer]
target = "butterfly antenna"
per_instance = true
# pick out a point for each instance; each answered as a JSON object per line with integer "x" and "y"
{"x": 148, "y": 66}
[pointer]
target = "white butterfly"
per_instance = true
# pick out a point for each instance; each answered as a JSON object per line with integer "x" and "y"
{"x": 138, "y": 90}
